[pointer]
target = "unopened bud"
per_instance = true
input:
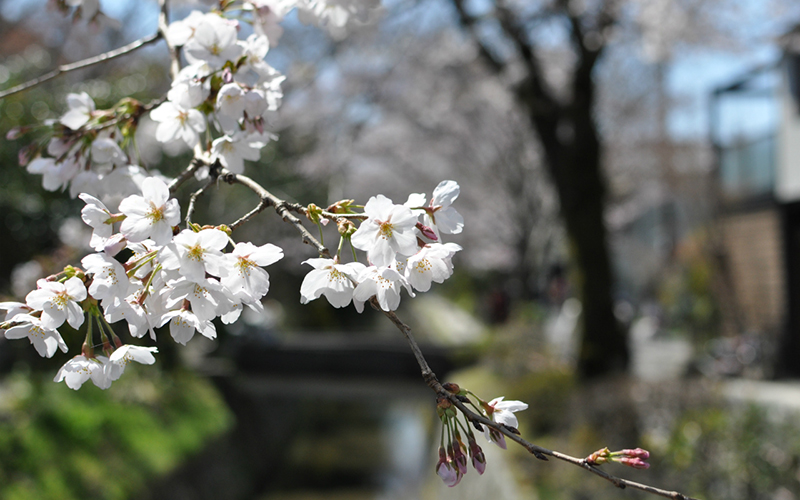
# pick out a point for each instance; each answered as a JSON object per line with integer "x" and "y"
{"x": 634, "y": 453}
{"x": 346, "y": 228}
{"x": 313, "y": 213}
{"x": 341, "y": 207}
{"x": 427, "y": 232}
{"x": 636, "y": 463}
{"x": 26, "y": 154}
{"x": 16, "y": 133}
{"x": 601, "y": 456}
{"x": 451, "y": 387}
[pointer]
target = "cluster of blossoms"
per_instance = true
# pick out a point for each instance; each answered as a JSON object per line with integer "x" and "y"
{"x": 222, "y": 102}
{"x": 452, "y": 464}
{"x": 184, "y": 280}
{"x": 402, "y": 251}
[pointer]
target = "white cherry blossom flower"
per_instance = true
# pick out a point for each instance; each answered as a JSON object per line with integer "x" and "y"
{"x": 79, "y": 369}
{"x": 151, "y": 215}
{"x": 439, "y": 215}
{"x": 189, "y": 92}
{"x": 13, "y": 308}
{"x": 81, "y": 107}
{"x": 502, "y": 412}
{"x": 45, "y": 340}
{"x": 109, "y": 279}
{"x": 140, "y": 317}
{"x": 431, "y": 263}
{"x": 333, "y": 280}
{"x": 204, "y": 296}
{"x": 55, "y": 175}
{"x": 388, "y": 231}
{"x": 183, "y": 323}
{"x": 384, "y": 284}
{"x": 106, "y": 150}
{"x": 181, "y": 31}
{"x": 98, "y": 217}
{"x": 124, "y": 355}
{"x": 247, "y": 281}
{"x": 193, "y": 254}
{"x": 233, "y": 151}
{"x": 214, "y": 42}
{"x": 177, "y": 122}
{"x": 58, "y": 302}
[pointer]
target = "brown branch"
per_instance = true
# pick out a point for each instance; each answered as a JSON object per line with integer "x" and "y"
{"x": 66, "y": 68}
{"x": 283, "y": 208}
{"x": 537, "y": 451}
{"x": 185, "y": 175}
{"x": 193, "y": 199}
{"x": 267, "y": 199}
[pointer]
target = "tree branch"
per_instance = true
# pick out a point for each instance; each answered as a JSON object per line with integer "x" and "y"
{"x": 283, "y": 209}
{"x": 66, "y": 68}
{"x": 268, "y": 199}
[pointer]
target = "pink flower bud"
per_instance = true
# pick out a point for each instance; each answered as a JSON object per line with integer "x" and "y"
{"x": 460, "y": 459}
{"x": 427, "y": 232}
{"x": 636, "y": 453}
{"x": 636, "y": 463}
{"x": 16, "y": 133}
{"x": 446, "y": 470}
{"x": 478, "y": 458}
{"x": 227, "y": 76}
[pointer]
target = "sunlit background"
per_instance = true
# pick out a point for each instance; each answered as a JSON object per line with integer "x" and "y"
{"x": 651, "y": 298}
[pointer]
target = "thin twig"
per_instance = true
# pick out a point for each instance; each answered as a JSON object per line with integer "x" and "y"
{"x": 267, "y": 199}
{"x": 185, "y": 175}
{"x": 193, "y": 199}
{"x": 66, "y": 68}
{"x": 538, "y": 451}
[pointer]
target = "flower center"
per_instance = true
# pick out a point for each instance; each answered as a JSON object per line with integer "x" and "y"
{"x": 386, "y": 229}
{"x": 196, "y": 252}
{"x": 155, "y": 214}
{"x": 244, "y": 266}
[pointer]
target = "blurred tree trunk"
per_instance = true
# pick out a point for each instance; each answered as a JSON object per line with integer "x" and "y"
{"x": 569, "y": 135}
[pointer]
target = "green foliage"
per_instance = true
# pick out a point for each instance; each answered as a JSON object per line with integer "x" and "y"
{"x": 56, "y": 443}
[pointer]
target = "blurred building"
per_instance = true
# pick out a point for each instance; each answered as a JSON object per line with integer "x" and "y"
{"x": 755, "y": 130}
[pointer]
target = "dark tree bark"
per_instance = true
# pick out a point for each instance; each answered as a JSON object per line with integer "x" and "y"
{"x": 569, "y": 137}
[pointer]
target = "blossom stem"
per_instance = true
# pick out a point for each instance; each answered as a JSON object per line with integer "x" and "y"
{"x": 146, "y": 258}
{"x": 339, "y": 249}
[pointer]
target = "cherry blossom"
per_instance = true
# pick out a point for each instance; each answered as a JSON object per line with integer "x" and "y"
{"x": 214, "y": 42}
{"x": 150, "y": 215}
{"x": 247, "y": 281}
{"x": 431, "y": 263}
{"x": 98, "y": 217}
{"x": 193, "y": 254}
{"x": 45, "y": 340}
{"x": 81, "y": 109}
{"x": 329, "y": 278}
{"x": 109, "y": 279}
{"x": 124, "y": 355}
{"x": 58, "y": 302}
{"x": 388, "y": 231}
{"x": 79, "y": 369}
{"x": 439, "y": 215}
{"x": 177, "y": 122}
{"x": 384, "y": 284}
{"x": 183, "y": 323}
